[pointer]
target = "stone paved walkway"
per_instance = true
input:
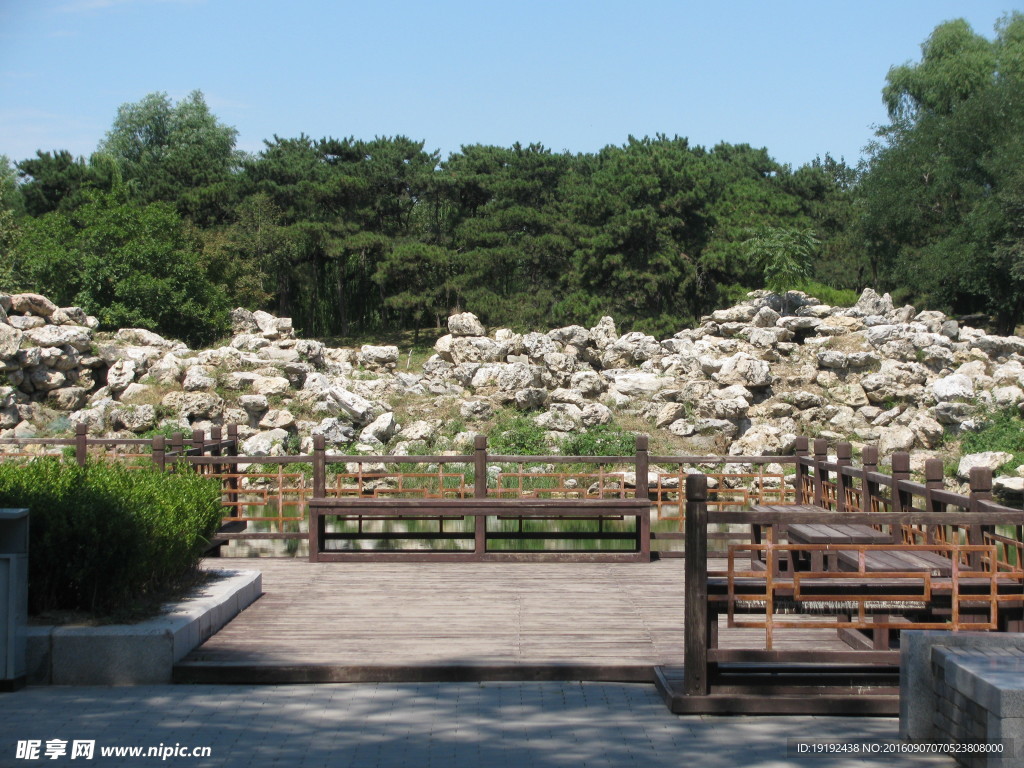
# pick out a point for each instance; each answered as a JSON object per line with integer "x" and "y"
{"x": 489, "y": 725}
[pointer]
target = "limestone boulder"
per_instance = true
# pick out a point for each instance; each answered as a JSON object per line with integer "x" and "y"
{"x": 956, "y": 386}
{"x": 76, "y": 336}
{"x": 465, "y": 324}
{"x": 989, "y": 459}
{"x": 595, "y": 414}
{"x": 10, "y": 341}
{"x": 560, "y": 417}
{"x": 378, "y": 358}
{"x": 380, "y": 430}
{"x": 31, "y": 304}
{"x": 476, "y": 410}
{"x": 335, "y": 431}
{"x": 267, "y": 443}
{"x": 476, "y": 349}
{"x": 745, "y": 370}
{"x": 194, "y": 405}
{"x": 198, "y": 378}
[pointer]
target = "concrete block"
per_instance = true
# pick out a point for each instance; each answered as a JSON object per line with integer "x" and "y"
{"x": 38, "y": 655}
{"x": 142, "y": 653}
{"x": 918, "y": 694}
{"x": 111, "y": 655}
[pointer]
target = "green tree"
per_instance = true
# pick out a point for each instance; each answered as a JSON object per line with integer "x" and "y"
{"x": 783, "y": 255}
{"x": 10, "y": 205}
{"x": 58, "y": 181}
{"x": 177, "y": 153}
{"x": 130, "y": 265}
{"x": 941, "y": 199}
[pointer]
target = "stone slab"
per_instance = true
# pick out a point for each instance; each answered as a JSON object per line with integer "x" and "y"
{"x": 142, "y": 653}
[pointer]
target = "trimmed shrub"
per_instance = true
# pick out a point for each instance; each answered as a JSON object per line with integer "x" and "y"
{"x": 103, "y": 537}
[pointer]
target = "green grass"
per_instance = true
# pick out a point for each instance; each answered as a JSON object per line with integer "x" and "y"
{"x": 1001, "y": 430}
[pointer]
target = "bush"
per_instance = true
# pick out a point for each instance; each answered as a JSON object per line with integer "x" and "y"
{"x": 104, "y": 538}
{"x": 515, "y": 434}
{"x": 602, "y": 440}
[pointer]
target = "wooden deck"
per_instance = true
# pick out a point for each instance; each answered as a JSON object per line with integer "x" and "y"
{"x": 360, "y": 622}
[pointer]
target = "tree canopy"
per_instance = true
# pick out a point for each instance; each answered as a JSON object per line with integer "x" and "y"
{"x": 167, "y": 224}
{"x": 942, "y": 198}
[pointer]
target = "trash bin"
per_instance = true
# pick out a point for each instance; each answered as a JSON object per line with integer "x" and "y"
{"x": 13, "y": 597}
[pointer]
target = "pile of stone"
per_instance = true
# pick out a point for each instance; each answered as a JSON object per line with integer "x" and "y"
{"x": 746, "y": 381}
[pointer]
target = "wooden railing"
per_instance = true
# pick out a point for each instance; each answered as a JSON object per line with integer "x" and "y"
{"x": 268, "y": 497}
{"x": 980, "y": 587}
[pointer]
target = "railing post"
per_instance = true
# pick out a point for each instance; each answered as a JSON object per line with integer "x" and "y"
{"x": 801, "y": 470}
{"x": 642, "y": 491}
{"x": 980, "y": 481}
{"x": 480, "y": 492}
{"x": 232, "y": 450}
{"x": 820, "y": 456}
{"x": 933, "y": 473}
{"x": 844, "y": 458}
{"x": 900, "y": 473}
{"x": 177, "y": 443}
{"x": 81, "y": 443}
{"x": 695, "y": 617}
{"x": 159, "y": 452}
{"x": 198, "y": 447}
{"x": 868, "y": 488}
{"x": 316, "y": 524}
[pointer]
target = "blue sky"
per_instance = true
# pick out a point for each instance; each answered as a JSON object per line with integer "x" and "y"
{"x": 798, "y": 77}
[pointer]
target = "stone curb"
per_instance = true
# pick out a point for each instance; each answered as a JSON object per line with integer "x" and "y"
{"x": 143, "y": 653}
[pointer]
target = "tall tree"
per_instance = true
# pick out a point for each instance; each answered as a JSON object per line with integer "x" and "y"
{"x": 178, "y": 153}
{"x": 942, "y": 196}
{"x": 130, "y": 265}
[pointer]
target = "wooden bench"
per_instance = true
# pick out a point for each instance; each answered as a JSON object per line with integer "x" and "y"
{"x": 480, "y": 509}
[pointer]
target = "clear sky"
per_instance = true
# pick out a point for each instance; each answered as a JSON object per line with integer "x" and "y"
{"x": 801, "y": 78}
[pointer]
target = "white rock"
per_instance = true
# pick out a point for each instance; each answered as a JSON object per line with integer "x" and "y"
{"x": 594, "y": 414}
{"x": 378, "y": 358}
{"x": 745, "y": 370}
{"x": 419, "y": 430}
{"x": 895, "y": 439}
{"x": 380, "y": 430}
{"x": 263, "y": 443}
{"x": 270, "y": 385}
{"x": 561, "y": 417}
{"x": 477, "y": 349}
{"x": 956, "y": 386}
{"x": 277, "y": 418}
{"x": 121, "y": 374}
{"x": 198, "y": 378}
{"x": 10, "y": 341}
{"x": 76, "y": 336}
{"x": 604, "y": 333}
{"x": 1005, "y": 484}
{"x": 335, "y": 431}
{"x": 476, "y": 409}
{"x": 465, "y": 324}
{"x": 991, "y": 459}
{"x": 635, "y": 384}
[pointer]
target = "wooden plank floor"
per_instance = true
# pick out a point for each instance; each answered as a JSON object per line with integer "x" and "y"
{"x": 591, "y": 620}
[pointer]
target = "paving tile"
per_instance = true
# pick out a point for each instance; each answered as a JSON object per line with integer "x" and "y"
{"x": 419, "y": 725}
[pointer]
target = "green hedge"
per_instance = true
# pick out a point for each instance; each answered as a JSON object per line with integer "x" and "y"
{"x": 103, "y": 537}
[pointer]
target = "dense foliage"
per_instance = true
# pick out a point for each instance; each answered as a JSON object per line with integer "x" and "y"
{"x": 103, "y": 536}
{"x": 173, "y": 224}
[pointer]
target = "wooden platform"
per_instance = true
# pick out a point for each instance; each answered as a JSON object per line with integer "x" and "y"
{"x": 362, "y": 622}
